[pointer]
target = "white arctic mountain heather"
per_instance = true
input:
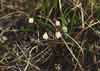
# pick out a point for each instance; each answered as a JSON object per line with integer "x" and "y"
{"x": 58, "y": 23}
{"x": 45, "y": 36}
{"x": 31, "y": 20}
{"x": 58, "y": 35}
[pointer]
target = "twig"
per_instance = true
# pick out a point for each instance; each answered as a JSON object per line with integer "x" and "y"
{"x": 72, "y": 54}
{"x": 82, "y": 17}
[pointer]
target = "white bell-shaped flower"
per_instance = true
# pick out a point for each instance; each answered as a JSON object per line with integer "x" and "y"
{"x": 58, "y": 23}
{"x": 58, "y": 35}
{"x": 45, "y": 36}
{"x": 4, "y": 38}
{"x": 31, "y": 20}
{"x": 1, "y": 28}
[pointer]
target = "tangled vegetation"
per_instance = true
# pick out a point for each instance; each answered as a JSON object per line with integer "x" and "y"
{"x": 49, "y": 35}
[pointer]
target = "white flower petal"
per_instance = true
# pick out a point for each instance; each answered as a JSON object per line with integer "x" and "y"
{"x": 45, "y": 36}
{"x": 4, "y": 38}
{"x": 58, "y": 23}
{"x": 31, "y": 20}
{"x": 58, "y": 35}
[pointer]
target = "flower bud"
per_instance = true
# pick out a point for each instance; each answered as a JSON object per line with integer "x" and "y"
{"x": 64, "y": 29}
